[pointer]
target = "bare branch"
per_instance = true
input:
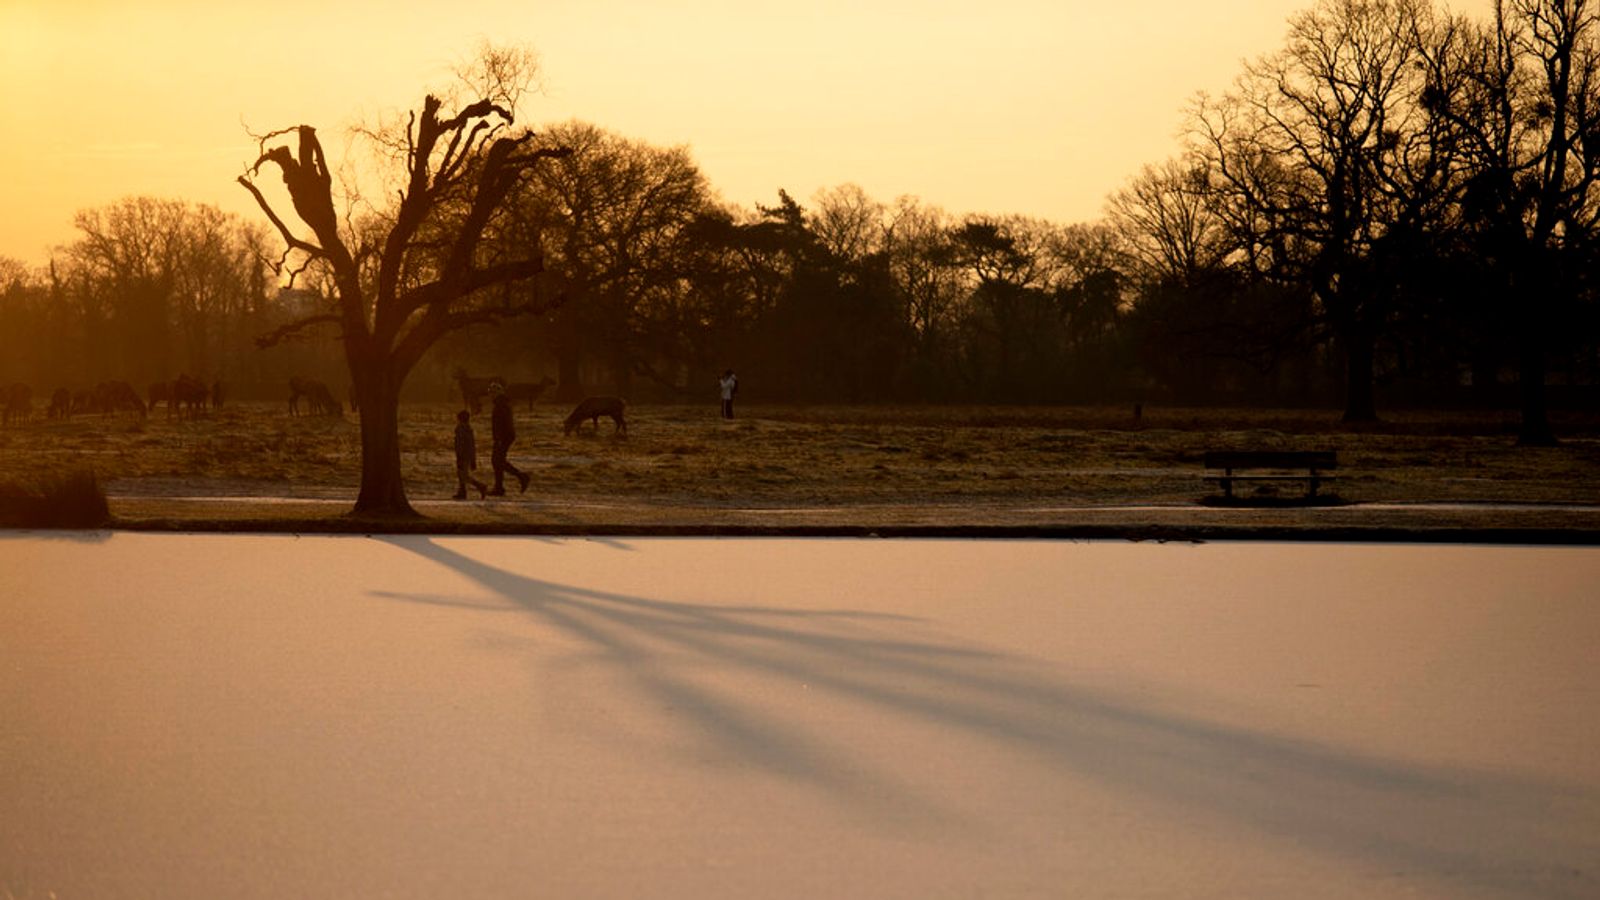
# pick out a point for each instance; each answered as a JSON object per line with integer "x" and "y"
{"x": 293, "y": 329}
{"x": 283, "y": 229}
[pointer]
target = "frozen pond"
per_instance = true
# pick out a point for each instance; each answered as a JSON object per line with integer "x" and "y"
{"x": 271, "y": 716}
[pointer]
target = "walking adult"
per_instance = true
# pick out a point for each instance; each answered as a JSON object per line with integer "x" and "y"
{"x": 729, "y": 383}
{"x": 503, "y": 431}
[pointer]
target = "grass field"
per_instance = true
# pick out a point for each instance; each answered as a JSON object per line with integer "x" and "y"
{"x": 822, "y": 457}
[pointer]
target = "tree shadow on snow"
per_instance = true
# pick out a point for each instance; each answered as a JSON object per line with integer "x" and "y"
{"x": 1509, "y": 834}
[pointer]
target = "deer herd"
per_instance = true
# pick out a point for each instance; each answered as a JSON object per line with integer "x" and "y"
{"x": 187, "y": 397}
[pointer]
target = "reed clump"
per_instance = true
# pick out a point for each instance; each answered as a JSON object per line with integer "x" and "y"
{"x": 72, "y": 499}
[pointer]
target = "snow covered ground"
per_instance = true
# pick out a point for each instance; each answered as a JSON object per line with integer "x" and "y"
{"x": 272, "y": 716}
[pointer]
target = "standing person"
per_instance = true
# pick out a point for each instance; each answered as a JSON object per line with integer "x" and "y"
{"x": 466, "y": 458}
{"x": 504, "y": 432}
{"x": 729, "y": 383}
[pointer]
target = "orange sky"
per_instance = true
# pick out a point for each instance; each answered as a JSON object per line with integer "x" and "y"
{"x": 1039, "y": 107}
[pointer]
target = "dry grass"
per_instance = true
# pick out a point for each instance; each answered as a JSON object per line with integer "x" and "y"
{"x": 73, "y": 499}
{"x": 809, "y": 457}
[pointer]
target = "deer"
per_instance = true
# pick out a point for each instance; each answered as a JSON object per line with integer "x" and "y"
{"x": 114, "y": 396}
{"x": 161, "y": 392}
{"x": 60, "y": 404}
{"x": 19, "y": 403}
{"x": 473, "y": 388}
{"x": 189, "y": 395}
{"x": 592, "y": 408}
{"x": 527, "y": 391}
{"x": 319, "y": 400}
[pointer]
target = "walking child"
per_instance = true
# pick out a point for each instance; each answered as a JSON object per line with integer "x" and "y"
{"x": 466, "y": 458}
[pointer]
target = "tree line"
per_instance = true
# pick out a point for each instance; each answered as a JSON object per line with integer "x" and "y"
{"x": 1397, "y": 203}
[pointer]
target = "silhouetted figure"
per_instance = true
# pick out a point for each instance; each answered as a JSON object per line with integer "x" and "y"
{"x": 189, "y": 395}
{"x": 216, "y": 394}
{"x": 60, "y": 404}
{"x": 503, "y": 430}
{"x": 319, "y": 398}
{"x": 474, "y": 387}
{"x": 161, "y": 392}
{"x": 111, "y": 397}
{"x": 729, "y": 383}
{"x": 592, "y": 408}
{"x": 18, "y": 403}
{"x": 529, "y": 391}
{"x": 466, "y": 458}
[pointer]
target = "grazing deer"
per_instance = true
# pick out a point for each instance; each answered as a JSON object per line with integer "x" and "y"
{"x": 60, "y": 404}
{"x": 161, "y": 392}
{"x": 114, "y": 396}
{"x": 529, "y": 392}
{"x": 319, "y": 400}
{"x": 592, "y": 408}
{"x": 19, "y": 404}
{"x": 474, "y": 388}
{"x": 189, "y": 395}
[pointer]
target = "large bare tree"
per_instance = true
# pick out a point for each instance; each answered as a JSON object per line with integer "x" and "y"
{"x": 1328, "y": 164}
{"x": 1531, "y": 110}
{"x": 613, "y": 212}
{"x": 426, "y": 269}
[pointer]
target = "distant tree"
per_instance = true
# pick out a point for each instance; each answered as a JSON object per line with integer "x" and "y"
{"x": 1211, "y": 315}
{"x": 1170, "y": 230}
{"x": 928, "y": 284}
{"x": 125, "y": 268}
{"x": 1014, "y": 328}
{"x": 20, "y": 320}
{"x": 430, "y": 267}
{"x": 152, "y": 286}
{"x": 848, "y": 223}
{"x": 612, "y": 213}
{"x": 1530, "y": 108}
{"x": 825, "y": 324}
{"x": 1332, "y": 168}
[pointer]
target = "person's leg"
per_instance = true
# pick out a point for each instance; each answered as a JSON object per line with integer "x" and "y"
{"x": 461, "y": 483}
{"x": 497, "y": 458}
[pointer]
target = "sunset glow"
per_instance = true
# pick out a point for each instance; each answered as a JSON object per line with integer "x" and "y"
{"x": 1016, "y": 106}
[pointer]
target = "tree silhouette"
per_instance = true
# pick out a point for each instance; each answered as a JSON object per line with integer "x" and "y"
{"x": 1327, "y": 160}
{"x": 424, "y": 271}
{"x": 1530, "y": 108}
{"x": 612, "y": 213}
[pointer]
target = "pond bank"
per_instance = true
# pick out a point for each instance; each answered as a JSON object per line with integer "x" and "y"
{"x": 1521, "y": 523}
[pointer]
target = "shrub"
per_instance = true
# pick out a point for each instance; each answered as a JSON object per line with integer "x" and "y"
{"x": 71, "y": 500}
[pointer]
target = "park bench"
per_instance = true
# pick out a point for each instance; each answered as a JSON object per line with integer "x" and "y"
{"x": 1275, "y": 464}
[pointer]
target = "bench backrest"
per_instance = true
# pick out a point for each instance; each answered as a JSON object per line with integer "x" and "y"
{"x": 1272, "y": 459}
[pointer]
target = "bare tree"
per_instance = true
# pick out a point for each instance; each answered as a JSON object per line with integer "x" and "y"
{"x": 1330, "y": 165}
{"x": 921, "y": 257}
{"x": 613, "y": 212}
{"x": 427, "y": 271}
{"x": 849, "y": 223}
{"x": 1530, "y": 107}
{"x": 1169, "y": 230}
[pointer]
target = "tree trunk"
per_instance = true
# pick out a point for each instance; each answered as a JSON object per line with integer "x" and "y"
{"x": 1360, "y": 404}
{"x": 569, "y": 356}
{"x": 383, "y": 491}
